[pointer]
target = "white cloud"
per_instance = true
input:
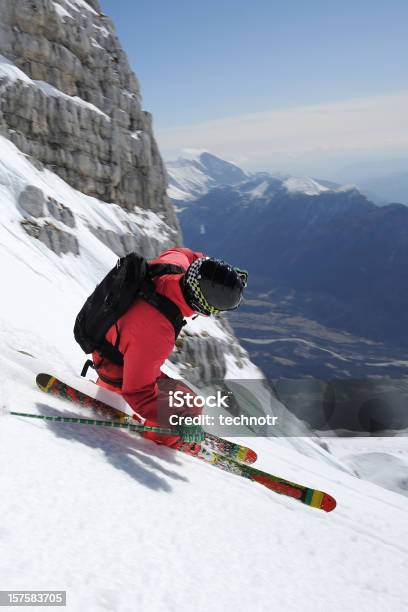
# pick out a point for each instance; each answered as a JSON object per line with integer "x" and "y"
{"x": 372, "y": 125}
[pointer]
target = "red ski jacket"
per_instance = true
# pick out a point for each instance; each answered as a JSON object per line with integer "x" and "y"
{"x": 146, "y": 341}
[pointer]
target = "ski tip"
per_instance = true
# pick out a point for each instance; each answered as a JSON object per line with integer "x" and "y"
{"x": 246, "y": 455}
{"x": 251, "y": 456}
{"x": 43, "y": 381}
{"x": 328, "y": 503}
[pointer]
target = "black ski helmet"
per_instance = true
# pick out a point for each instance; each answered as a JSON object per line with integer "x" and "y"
{"x": 211, "y": 286}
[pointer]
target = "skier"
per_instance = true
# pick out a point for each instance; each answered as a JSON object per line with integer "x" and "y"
{"x": 145, "y": 335}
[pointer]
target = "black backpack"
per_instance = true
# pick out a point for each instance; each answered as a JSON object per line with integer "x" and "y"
{"x": 130, "y": 279}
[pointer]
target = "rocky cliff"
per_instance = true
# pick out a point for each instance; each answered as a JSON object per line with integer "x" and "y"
{"x": 70, "y": 100}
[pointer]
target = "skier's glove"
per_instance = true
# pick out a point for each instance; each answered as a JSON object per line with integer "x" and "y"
{"x": 191, "y": 433}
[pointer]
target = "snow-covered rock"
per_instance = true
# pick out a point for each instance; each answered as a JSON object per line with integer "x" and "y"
{"x": 32, "y": 201}
{"x": 69, "y": 99}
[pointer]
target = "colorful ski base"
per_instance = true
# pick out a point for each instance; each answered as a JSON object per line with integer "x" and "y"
{"x": 51, "y": 384}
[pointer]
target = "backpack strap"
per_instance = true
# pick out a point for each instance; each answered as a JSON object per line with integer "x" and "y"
{"x": 164, "y": 305}
{"x": 162, "y": 269}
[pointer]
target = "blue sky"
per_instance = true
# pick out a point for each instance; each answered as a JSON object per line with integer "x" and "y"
{"x": 205, "y": 61}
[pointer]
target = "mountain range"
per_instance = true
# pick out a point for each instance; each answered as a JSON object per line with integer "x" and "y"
{"x": 340, "y": 258}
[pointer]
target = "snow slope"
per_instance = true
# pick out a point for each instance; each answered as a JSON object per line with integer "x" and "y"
{"x": 383, "y": 461}
{"x": 123, "y": 524}
{"x": 44, "y": 289}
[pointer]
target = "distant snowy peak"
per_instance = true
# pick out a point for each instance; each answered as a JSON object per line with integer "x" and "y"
{"x": 265, "y": 186}
{"x": 198, "y": 171}
{"x": 187, "y": 180}
{"x": 305, "y": 185}
{"x": 313, "y": 187}
{"x": 191, "y": 155}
